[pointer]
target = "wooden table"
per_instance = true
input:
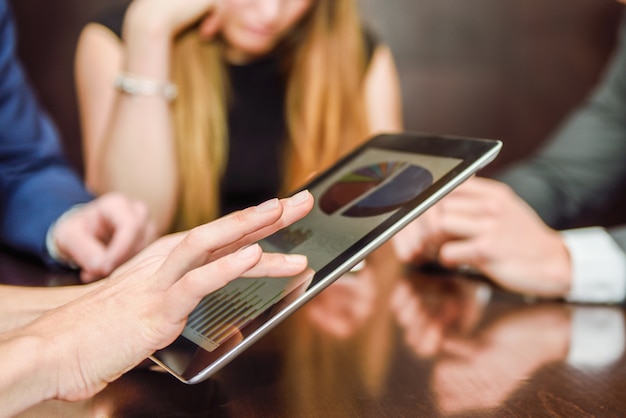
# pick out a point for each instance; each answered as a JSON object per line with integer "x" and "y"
{"x": 388, "y": 341}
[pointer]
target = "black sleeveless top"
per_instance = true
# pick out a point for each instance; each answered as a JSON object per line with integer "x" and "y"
{"x": 256, "y": 125}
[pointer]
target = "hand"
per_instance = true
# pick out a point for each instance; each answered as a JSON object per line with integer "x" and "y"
{"x": 175, "y": 16}
{"x": 102, "y": 234}
{"x": 420, "y": 240}
{"x": 483, "y": 225}
{"x": 93, "y": 340}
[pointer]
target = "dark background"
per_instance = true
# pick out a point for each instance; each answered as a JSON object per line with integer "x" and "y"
{"x": 505, "y": 69}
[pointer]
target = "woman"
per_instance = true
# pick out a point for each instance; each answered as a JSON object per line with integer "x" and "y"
{"x": 268, "y": 92}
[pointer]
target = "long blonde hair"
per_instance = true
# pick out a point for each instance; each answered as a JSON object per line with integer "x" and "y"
{"x": 325, "y": 65}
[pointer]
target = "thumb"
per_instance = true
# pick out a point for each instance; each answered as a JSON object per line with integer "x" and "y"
{"x": 83, "y": 249}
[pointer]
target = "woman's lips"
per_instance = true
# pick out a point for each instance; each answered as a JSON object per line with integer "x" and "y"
{"x": 260, "y": 31}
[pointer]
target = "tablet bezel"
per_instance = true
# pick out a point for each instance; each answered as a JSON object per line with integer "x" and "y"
{"x": 474, "y": 154}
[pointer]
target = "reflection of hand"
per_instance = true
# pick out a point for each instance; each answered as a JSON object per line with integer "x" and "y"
{"x": 91, "y": 341}
{"x": 430, "y": 308}
{"x": 345, "y": 305}
{"x": 102, "y": 234}
{"x": 500, "y": 358}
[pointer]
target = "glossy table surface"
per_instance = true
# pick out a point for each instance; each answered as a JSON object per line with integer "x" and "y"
{"x": 390, "y": 341}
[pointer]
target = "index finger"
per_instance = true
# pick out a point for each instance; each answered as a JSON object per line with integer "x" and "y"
{"x": 293, "y": 208}
{"x": 232, "y": 232}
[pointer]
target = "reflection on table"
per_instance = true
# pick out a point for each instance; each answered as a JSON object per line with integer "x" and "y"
{"x": 390, "y": 340}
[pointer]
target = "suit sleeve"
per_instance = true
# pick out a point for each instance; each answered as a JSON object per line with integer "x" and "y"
{"x": 585, "y": 162}
{"x": 619, "y": 235}
{"x": 36, "y": 183}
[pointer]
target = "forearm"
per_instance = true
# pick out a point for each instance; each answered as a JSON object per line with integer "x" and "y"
{"x": 20, "y": 305}
{"x": 28, "y": 196}
{"x": 383, "y": 99}
{"x": 138, "y": 158}
{"x": 583, "y": 163}
{"x": 26, "y": 372}
{"x": 136, "y": 153}
{"x": 579, "y": 168}
{"x": 31, "y": 159}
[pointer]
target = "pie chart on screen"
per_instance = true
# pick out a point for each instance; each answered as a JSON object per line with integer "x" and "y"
{"x": 375, "y": 189}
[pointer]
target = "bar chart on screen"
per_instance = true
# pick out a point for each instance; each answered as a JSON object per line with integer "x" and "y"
{"x": 225, "y": 312}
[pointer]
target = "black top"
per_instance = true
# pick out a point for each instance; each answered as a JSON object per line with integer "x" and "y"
{"x": 256, "y": 125}
{"x": 257, "y": 129}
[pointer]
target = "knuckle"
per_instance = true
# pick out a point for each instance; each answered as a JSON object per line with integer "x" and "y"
{"x": 492, "y": 206}
{"x": 114, "y": 198}
{"x": 445, "y": 223}
{"x": 487, "y": 225}
{"x": 483, "y": 250}
{"x": 141, "y": 209}
{"x": 238, "y": 217}
{"x": 194, "y": 238}
{"x": 503, "y": 190}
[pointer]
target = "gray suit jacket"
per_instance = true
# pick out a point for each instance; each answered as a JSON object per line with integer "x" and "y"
{"x": 584, "y": 164}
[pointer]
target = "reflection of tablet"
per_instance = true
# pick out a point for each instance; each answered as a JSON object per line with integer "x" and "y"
{"x": 359, "y": 204}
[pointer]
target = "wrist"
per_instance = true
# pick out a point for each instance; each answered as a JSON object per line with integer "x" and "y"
{"x": 54, "y": 250}
{"x": 148, "y": 40}
{"x": 30, "y": 373}
{"x": 57, "y": 349}
{"x": 144, "y": 20}
{"x": 560, "y": 268}
{"x": 139, "y": 86}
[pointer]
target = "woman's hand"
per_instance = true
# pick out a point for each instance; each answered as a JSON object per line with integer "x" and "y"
{"x": 102, "y": 234}
{"x": 172, "y": 17}
{"x": 91, "y": 341}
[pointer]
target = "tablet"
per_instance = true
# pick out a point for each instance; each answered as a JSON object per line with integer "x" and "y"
{"x": 360, "y": 202}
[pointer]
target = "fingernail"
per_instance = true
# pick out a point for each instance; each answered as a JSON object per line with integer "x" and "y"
{"x": 299, "y": 198}
{"x": 267, "y": 205}
{"x": 248, "y": 252}
{"x": 295, "y": 258}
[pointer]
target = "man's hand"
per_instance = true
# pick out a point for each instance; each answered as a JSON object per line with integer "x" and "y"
{"x": 102, "y": 234}
{"x": 485, "y": 226}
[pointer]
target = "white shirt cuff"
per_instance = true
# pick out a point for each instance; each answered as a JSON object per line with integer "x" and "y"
{"x": 51, "y": 245}
{"x": 597, "y": 338}
{"x": 598, "y": 266}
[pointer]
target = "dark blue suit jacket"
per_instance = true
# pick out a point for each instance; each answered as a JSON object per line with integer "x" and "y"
{"x": 36, "y": 183}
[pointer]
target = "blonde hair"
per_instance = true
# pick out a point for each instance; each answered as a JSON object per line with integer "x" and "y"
{"x": 325, "y": 65}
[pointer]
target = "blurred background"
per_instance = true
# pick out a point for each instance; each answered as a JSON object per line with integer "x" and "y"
{"x": 503, "y": 69}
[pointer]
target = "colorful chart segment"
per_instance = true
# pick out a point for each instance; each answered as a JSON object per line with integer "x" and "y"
{"x": 385, "y": 186}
